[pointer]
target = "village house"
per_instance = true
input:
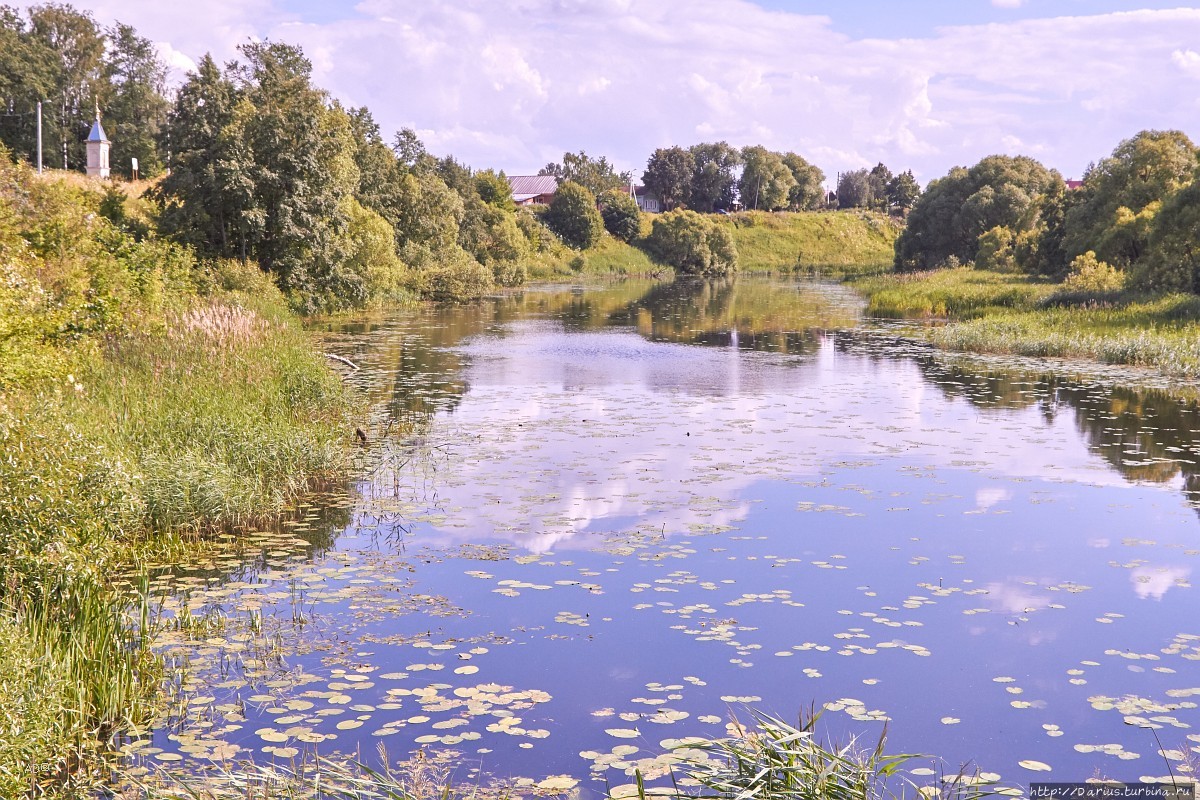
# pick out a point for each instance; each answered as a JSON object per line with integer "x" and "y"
{"x": 530, "y": 190}
{"x": 646, "y": 201}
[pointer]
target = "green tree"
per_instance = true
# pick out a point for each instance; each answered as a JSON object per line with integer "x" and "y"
{"x": 206, "y": 196}
{"x": 594, "y": 174}
{"x": 713, "y": 182}
{"x": 1110, "y": 214}
{"x": 136, "y": 109}
{"x": 692, "y": 244}
{"x": 903, "y": 190}
{"x": 856, "y": 189}
{"x": 620, "y": 214}
{"x": 28, "y": 73}
{"x": 766, "y": 181}
{"x": 78, "y": 84}
{"x": 880, "y": 176}
{"x": 493, "y": 189}
{"x": 492, "y": 236}
{"x": 669, "y": 173}
{"x": 1172, "y": 262}
{"x": 949, "y": 217}
{"x": 995, "y": 250}
{"x": 809, "y": 191}
{"x": 573, "y": 216}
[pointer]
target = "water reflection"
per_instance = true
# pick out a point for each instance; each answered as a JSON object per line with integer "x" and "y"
{"x": 791, "y": 509}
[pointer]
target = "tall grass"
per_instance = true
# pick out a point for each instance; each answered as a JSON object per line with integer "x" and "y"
{"x": 958, "y": 293}
{"x": 830, "y": 243}
{"x": 142, "y": 394}
{"x": 991, "y": 312}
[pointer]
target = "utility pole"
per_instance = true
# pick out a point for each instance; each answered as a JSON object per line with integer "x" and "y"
{"x": 39, "y": 135}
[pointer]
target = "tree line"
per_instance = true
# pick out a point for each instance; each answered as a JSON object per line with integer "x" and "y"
{"x": 1133, "y": 222}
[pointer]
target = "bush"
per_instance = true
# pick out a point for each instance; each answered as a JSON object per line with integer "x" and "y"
{"x": 621, "y": 215}
{"x": 1090, "y": 275}
{"x": 573, "y": 216}
{"x": 450, "y": 275}
{"x": 692, "y": 244}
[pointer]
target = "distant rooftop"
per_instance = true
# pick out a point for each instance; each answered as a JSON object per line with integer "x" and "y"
{"x": 533, "y": 184}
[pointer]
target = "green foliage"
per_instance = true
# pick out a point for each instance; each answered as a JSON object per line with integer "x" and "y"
{"x": 573, "y": 216}
{"x": 493, "y": 189}
{"x": 64, "y": 58}
{"x": 766, "y": 181}
{"x": 1090, "y": 275}
{"x": 692, "y": 244}
{"x": 1111, "y": 213}
{"x": 903, "y": 190}
{"x": 809, "y": 191}
{"x": 955, "y": 292}
{"x": 594, "y": 174}
{"x": 371, "y": 257}
{"x": 449, "y": 275}
{"x": 146, "y": 393}
{"x": 493, "y": 237}
{"x": 778, "y": 761}
{"x": 856, "y": 189}
{"x": 995, "y": 250}
{"x": 621, "y": 215}
{"x": 713, "y": 183}
{"x": 669, "y": 174}
{"x": 948, "y": 219}
{"x": 137, "y": 108}
{"x": 1173, "y": 262}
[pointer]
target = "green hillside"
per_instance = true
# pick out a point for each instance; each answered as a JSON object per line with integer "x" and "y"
{"x": 827, "y": 242}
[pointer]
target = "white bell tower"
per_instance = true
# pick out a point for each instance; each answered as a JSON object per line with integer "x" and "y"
{"x": 97, "y": 150}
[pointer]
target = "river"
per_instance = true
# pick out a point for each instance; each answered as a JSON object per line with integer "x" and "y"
{"x": 590, "y": 521}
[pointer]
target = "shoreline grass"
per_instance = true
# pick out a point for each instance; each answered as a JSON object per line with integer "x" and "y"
{"x": 143, "y": 396}
{"x": 1009, "y": 314}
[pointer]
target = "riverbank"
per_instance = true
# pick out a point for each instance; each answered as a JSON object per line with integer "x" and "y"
{"x": 830, "y": 244}
{"x": 146, "y": 399}
{"x": 1018, "y": 315}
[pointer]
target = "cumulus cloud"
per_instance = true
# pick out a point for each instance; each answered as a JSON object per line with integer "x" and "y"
{"x": 512, "y": 83}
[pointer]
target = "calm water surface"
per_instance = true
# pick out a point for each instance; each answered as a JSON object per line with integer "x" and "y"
{"x": 594, "y": 520}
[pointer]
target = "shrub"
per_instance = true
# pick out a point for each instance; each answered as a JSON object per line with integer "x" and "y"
{"x": 692, "y": 244}
{"x": 573, "y": 216}
{"x": 450, "y": 275}
{"x": 621, "y": 215}
{"x": 1090, "y": 275}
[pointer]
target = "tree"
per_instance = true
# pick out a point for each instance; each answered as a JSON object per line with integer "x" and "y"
{"x": 766, "y": 182}
{"x": 573, "y": 216}
{"x": 692, "y": 244}
{"x": 1173, "y": 260}
{"x": 880, "y": 176}
{"x": 77, "y": 78}
{"x": 949, "y": 217}
{"x": 1111, "y": 215}
{"x": 855, "y": 189}
{"x": 411, "y": 151}
{"x": 491, "y": 235}
{"x": 137, "y": 108}
{"x": 713, "y": 183}
{"x": 205, "y": 195}
{"x": 809, "y": 191}
{"x": 594, "y": 174}
{"x": 494, "y": 190}
{"x": 28, "y": 72}
{"x": 903, "y": 190}
{"x": 669, "y": 174}
{"x": 620, "y": 214}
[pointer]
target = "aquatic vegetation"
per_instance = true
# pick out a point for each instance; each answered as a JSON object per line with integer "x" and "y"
{"x": 957, "y": 293}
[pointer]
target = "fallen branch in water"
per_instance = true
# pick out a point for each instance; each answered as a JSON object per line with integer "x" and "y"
{"x": 345, "y": 361}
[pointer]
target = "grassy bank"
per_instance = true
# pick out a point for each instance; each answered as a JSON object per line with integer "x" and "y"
{"x": 143, "y": 395}
{"x": 1017, "y": 315}
{"x": 610, "y": 258}
{"x": 830, "y": 243}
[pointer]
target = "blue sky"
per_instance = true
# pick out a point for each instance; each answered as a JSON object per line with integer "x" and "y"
{"x": 890, "y": 19}
{"x": 918, "y": 84}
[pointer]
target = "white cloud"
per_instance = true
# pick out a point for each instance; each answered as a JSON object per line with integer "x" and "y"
{"x": 1188, "y": 62}
{"x": 511, "y": 81}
